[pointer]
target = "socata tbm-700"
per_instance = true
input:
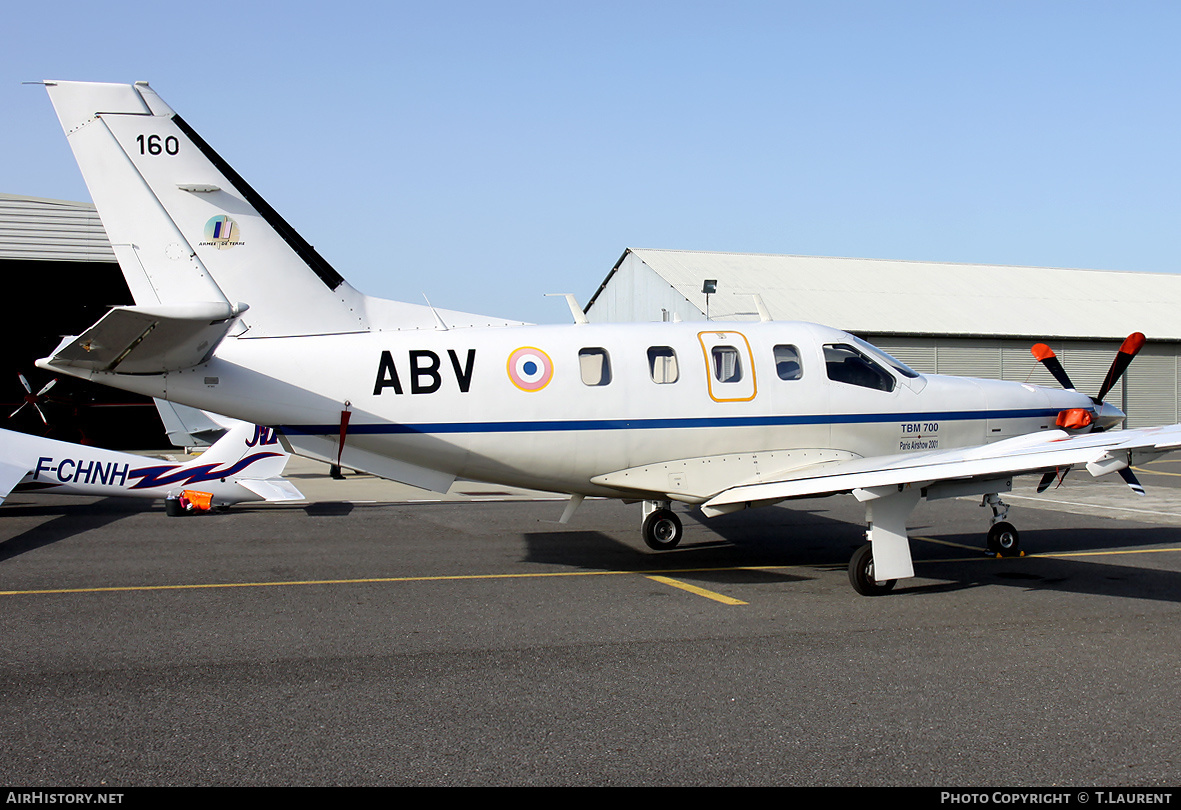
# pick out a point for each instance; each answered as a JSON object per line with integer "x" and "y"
{"x": 235, "y": 313}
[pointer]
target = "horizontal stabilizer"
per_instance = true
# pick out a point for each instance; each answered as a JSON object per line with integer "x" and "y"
{"x": 148, "y": 339}
{"x": 272, "y": 489}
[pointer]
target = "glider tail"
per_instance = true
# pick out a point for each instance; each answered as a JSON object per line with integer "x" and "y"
{"x": 248, "y": 455}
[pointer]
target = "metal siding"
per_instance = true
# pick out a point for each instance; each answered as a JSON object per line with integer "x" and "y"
{"x": 36, "y": 229}
{"x": 919, "y": 354}
{"x": 926, "y": 298}
{"x": 969, "y": 359}
{"x": 1151, "y": 383}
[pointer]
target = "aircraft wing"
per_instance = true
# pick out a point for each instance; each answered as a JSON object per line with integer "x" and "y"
{"x": 1101, "y": 453}
{"x": 10, "y": 475}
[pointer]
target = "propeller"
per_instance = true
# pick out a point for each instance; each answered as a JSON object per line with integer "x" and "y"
{"x": 33, "y": 399}
{"x": 1128, "y": 350}
{"x": 1131, "y": 346}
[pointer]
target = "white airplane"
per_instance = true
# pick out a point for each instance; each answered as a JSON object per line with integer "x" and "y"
{"x": 237, "y": 314}
{"x": 245, "y": 464}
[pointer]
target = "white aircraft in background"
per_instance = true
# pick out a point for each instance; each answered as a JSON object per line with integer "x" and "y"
{"x": 245, "y": 464}
{"x": 237, "y": 314}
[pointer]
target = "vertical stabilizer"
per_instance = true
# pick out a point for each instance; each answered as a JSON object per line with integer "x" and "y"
{"x": 185, "y": 226}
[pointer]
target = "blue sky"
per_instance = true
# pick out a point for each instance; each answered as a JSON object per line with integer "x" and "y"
{"x": 486, "y": 153}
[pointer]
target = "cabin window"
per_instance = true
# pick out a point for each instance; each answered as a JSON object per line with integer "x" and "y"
{"x": 727, "y": 365}
{"x": 787, "y": 362}
{"x": 595, "y": 365}
{"x": 845, "y": 364}
{"x": 662, "y": 364}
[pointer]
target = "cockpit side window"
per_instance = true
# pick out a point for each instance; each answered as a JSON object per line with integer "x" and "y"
{"x": 845, "y": 364}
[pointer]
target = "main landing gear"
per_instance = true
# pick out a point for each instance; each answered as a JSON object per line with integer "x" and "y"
{"x": 861, "y": 574}
{"x": 887, "y": 511}
{"x": 662, "y": 528}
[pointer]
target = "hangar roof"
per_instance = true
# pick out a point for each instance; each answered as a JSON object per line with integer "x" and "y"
{"x": 876, "y": 296}
{"x": 37, "y": 229}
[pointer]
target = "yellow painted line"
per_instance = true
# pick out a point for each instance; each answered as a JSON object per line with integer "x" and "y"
{"x": 685, "y": 586}
{"x": 1154, "y": 472}
{"x": 657, "y": 575}
{"x": 945, "y": 543}
{"x": 1102, "y": 553}
{"x": 379, "y": 580}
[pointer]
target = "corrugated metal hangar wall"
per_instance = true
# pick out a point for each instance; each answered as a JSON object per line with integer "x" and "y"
{"x": 970, "y": 320}
{"x": 61, "y": 275}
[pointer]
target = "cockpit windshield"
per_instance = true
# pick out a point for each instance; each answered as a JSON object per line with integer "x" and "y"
{"x": 888, "y": 359}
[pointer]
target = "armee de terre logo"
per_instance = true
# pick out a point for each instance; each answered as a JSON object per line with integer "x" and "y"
{"x": 222, "y": 232}
{"x": 530, "y": 369}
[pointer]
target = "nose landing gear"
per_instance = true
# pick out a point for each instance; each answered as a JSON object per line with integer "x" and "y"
{"x": 1003, "y": 538}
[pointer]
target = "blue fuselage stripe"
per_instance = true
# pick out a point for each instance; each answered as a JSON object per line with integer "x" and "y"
{"x": 664, "y": 424}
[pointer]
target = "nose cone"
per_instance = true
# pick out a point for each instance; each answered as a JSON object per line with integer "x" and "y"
{"x": 1109, "y": 416}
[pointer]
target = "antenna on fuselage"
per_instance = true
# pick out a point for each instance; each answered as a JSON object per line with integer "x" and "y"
{"x": 438, "y": 319}
{"x": 764, "y": 313}
{"x": 572, "y": 302}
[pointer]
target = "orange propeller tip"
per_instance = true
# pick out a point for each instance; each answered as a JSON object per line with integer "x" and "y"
{"x": 1042, "y": 352}
{"x": 1133, "y": 343}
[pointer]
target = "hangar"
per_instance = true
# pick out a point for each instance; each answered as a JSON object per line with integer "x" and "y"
{"x": 61, "y": 272}
{"x": 965, "y": 319}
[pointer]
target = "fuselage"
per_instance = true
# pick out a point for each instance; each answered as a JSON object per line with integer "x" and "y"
{"x": 561, "y": 408}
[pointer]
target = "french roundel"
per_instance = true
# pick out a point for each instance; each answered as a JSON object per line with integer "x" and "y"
{"x": 530, "y": 369}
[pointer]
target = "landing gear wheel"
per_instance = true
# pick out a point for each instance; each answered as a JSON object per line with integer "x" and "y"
{"x": 861, "y": 574}
{"x": 1003, "y": 540}
{"x": 662, "y": 530}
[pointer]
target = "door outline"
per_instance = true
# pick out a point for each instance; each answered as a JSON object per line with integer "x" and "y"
{"x": 745, "y": 391}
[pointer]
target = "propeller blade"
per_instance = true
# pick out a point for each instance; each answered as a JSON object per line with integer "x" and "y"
{"x": 1044, "y": 484}
{"x": 48, "y": 385}
{"x": 1058, "y": 475}
{"x": 1045, "y": 355}
{"x": 18, "y": 410}
{"x": 24, "y": 382}
{"x": 1130, "y": 479}
{"x": 1130, "y": 348}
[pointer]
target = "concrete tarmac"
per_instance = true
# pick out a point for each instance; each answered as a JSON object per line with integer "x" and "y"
{"x": 372, "y": 636}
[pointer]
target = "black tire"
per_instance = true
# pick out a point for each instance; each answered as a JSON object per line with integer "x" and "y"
{"x": 1003, "y": 540}
{"x": 861, "y": 574}
{"x": 662, "y": 530}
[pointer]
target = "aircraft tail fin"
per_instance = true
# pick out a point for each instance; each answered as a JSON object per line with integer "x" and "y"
{"x": 185, "y": 227}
